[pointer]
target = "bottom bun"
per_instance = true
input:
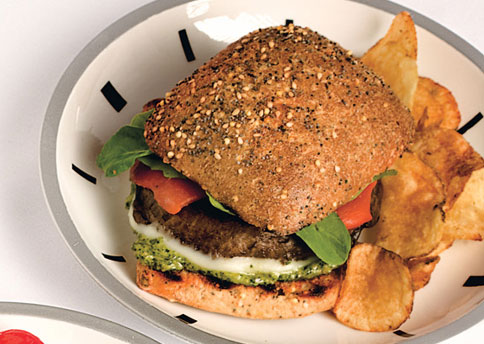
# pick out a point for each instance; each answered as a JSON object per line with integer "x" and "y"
{"x": 278, "y": 301}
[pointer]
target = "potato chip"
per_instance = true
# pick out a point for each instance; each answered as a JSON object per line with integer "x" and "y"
{"x": 394, "y": 58}
{"x": 421, "y": 269}
{"x": 434, "y": 105}
{"x": 445, "y": 243}
{"x": 449, "y": 154}
{"x": 410, "y": 218}
{"x": 376, "y": 293}
{"x": 465, "y": 220}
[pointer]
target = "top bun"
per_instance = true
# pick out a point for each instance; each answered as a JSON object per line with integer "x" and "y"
{"x": 283, "y": 126}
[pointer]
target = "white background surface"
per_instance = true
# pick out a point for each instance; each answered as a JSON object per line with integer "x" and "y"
{"x": 38, "y": 41}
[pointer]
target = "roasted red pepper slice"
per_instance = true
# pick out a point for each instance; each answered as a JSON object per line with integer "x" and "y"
{"x": 172, "y": 194}
{"x": 357, "y": 212}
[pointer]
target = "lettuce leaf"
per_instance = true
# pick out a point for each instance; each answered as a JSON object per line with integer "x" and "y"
{"x": 328, "y": 239}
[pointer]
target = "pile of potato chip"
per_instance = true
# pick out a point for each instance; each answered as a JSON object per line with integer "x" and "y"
{"x": 437, "y": 196}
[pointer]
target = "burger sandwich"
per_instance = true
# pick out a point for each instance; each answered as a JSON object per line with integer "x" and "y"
{"x": 250, "y": 176}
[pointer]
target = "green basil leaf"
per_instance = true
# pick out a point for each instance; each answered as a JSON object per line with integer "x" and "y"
{"x": 127, "y": 145}
{"x": 121, "y": 151}
{"x": 123, "y": 148}
{"x": 328, "y": 239}
{"x": 130, "y": 198}
{"x": 375, "y": 178}
{"x": 139, "y": 120}
{"x": 385, "y": 174}
{"x": 154, "y": 162}
{"x": 218, "y": 205}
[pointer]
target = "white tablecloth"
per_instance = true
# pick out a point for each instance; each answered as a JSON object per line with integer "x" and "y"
{"x": 38, "y": 40}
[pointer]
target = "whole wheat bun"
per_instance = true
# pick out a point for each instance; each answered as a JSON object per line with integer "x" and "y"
{"x": 283, "y": 126}
{"x": 279, "y": 301}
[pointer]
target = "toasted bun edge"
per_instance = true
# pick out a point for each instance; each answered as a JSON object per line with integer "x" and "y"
{"x": 279, "y": 301}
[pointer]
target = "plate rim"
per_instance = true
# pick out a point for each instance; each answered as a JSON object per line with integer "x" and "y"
{"x": 85, "y": 320}
{"x": 57, "y": 208}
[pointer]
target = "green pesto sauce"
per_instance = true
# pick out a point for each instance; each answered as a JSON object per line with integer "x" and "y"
{"x": 154, "y": 254}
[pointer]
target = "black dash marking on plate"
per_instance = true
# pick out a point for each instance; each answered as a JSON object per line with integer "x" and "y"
{"x": 187, "y": 48}
{"x": 473, "y": 121}
{"x": 289, "y": 21}
{"x": 113, "y": 96}
{"x": 403, "y": 334}
{"x": 186, "y": 319}
{"x": 474, "y": 281}
{"x": 83, "y": 174}
{"x": 114, "y": 258}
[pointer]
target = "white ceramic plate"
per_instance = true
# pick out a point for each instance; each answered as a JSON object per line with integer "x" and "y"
{"x": 140, "y": 57}
{"x": 54, "y": 325}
